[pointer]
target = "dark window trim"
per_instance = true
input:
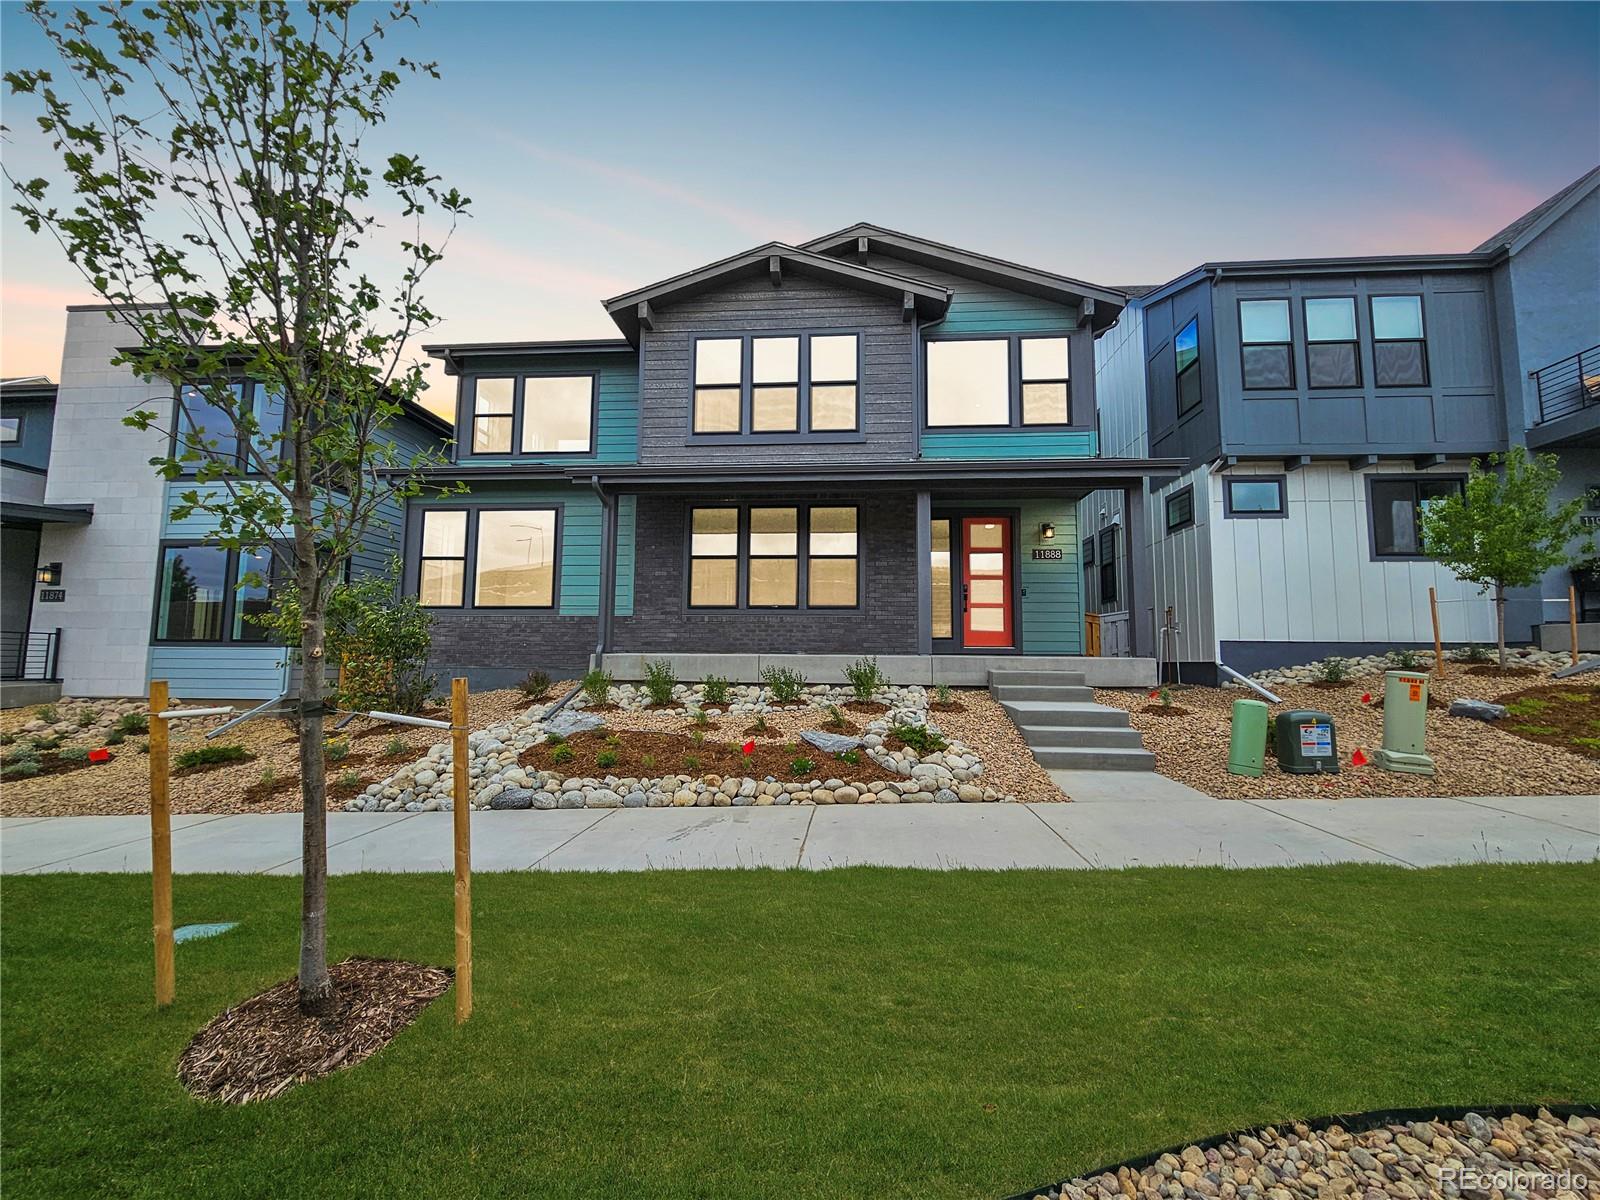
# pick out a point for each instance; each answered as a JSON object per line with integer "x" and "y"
{"x": 466, "y": 404}
{"x": 742, "y": 557}
{"x": 18, "y": 418}
{"x": 238, "y": 457}
{"x": 1372, "y": 524}
{"x": 423, "y": 558}
{"x": 1108, "y": 564}
{"x": 1422, "y": 314}
{"x": 1014, "y": 382}
{"x": 1355, "y": 346}
{"x": 1288, "y": 311}
{"x": 229, "y": 604}
{"x": 1177, "y": 375}
{"x": 753, "y": 557}
{"x": 469, "y": 579}
{"x": 1186, "y": 491}
{"x": 1281, "y": 513}
{"x": 746, "y": 435}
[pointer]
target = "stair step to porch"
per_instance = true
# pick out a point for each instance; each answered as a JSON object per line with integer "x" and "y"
{"x": 1022, "y": 678}
{"x": 1041, "y": 737}
{"x": 1100, "y": 758}
{"x": 1046, "y": 712}
{"x": 1064, "y": 693}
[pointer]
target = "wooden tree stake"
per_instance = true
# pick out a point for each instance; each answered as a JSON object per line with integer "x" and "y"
{"x": 463, "y": 839}
{"x": 161, "y": 847}
{"x": 1438, "y": 647}
{"x": 1572, "y": 618}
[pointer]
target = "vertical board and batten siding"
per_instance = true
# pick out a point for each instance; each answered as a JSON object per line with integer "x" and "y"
{"x": 1196, "y": 436}
{"x": 1311, "y": 577}
{"x": 1183, "y": 568}
{"x": 885, "y": 390}
{"x": 616, "y": 432}
{"x": 1052, "y": 600}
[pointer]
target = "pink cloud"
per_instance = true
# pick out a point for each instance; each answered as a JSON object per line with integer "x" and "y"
{"x": 527, "y": 270}
{"x": 22, "y": 294}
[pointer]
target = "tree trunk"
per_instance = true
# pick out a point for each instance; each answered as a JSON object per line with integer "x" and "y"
{"x": 1500, "y": 622}
{"x": 316, "y": 989}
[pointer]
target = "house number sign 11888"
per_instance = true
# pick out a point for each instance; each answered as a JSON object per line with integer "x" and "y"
{"x": 1047, "y": 554}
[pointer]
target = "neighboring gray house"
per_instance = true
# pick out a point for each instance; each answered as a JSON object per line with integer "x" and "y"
{"x": 1317, "y": 404}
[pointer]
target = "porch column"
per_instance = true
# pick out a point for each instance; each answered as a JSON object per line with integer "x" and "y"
{"x": 1141, "y": 576}
{"x": 924, "y": 540}
{"x": 606, "y": 603}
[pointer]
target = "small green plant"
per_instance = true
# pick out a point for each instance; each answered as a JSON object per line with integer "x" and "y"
{"x": 1587, "y": 743}
{"x": 210, "y": 756}
{"x": 700, "y": 718}
{"x": 394, "y": 747}
{"x": 612, "y": 740}
{"x": 350, "y": 780}
{"x": 48, "y": 713}
{"x": 864, "y": 677}
{"x": 920, "y": 738}
{"x": 801, "y": 766}
{"x": 74, "y": 754}
{"x": 691, "y": 762}
{"x": 335, "y": 751}
{"x": 1475, "y": 653}
{"x": 134, "y": 722}
{"x": 7, "y": 738}
{"x": 606, "y": 759}
{"x": 535, "y": 685}
{"x": 142, "y": 747}
{"x": 835, "y": 717}
{"x": 267, "y": 778}
{"x": 88, "y": 717}
{"x": 852, "y": 757}
{"x": 597, "y": 687}
{"x": 786, "y": 684}
{"x": 659, "y": 681}
{"x": 562, "y": 753}
{"x": 1527, "y": 706}
{"x": 115, "y": 738}
{"x": 760, "y": 725}
{"x": 1334, "y": 670}
{"x": 647, "y": 761}
{"x": 1405, "y": 660}
{"x": 715, "y": 688}
{"x": 1536, "y": 730}
{"x": 943, "y": 694}
{"x": 21, "y": 754}
{"x": 697, "y": 736}
{"x": 20, "y": 764}
{"x": 554, "y": 738}
{"x": 47, "y": 742}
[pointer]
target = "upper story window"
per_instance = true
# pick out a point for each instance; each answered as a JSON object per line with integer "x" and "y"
{"x": 541, "y": 415}
{"x": 207, "y": 430}
{"x": 1264, "y": 344}
{"x": 791, "y": 384}
{"x": 998, "y": 382}
{"x": 1186, "y": 362}
{"x": 1332, "y": 360}
{"x": 509, "y": 554}
{"x": 10, "y": 429}
{"x": 1399, "y": 342}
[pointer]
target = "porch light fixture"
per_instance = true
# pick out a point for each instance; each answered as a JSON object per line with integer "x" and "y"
{"x": 49, "y": 573}
{"x": 1047, "y": 531}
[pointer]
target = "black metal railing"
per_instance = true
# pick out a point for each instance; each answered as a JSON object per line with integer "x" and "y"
{"x": 1569, "y": 386}
{"x": 33, "y": 656}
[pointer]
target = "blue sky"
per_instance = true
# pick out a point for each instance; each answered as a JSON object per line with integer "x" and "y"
{"x": 606, "y": 146}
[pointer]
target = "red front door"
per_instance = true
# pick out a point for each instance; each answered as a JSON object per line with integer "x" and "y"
{"x": 986, "y": 618}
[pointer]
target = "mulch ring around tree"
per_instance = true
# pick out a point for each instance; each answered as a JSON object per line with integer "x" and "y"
{"x": 677, "y": 754}
{"x": 1555, "y": 715}
{"x": 1496, "y": 671}
{"x": 260, "y": 1049}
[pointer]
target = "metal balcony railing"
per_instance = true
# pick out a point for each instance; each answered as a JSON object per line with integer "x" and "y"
{"x": 1569, "y": 386}
{"x": 31, "y": 656}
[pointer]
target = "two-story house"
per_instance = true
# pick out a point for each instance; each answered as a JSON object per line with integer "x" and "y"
{"x": 868, "y": 444}
{"x": 1317, "y": 405}
{"x": 112, "y": 589}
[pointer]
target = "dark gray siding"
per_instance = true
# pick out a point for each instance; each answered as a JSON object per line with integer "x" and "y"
{"x": 498, "y": 649}
{"x": 1197, "y": 437}
{"x": 756, "y": 306}
{"x": 33, "y": 449}
{"x": 884, "y": 623}
{"x": 1459, "y": 411}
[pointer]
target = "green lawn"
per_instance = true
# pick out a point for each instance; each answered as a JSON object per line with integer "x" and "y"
{"x": 852, "y": 1033}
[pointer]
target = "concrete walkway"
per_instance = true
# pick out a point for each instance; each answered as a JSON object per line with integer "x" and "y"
{"x": 1120, "y": 819}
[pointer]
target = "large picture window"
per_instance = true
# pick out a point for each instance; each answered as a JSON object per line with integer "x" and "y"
{"x": 1399, "y": 342}
{"x": 969, "y": 382}
{"x": 515, "y": 559}
{"x": 751, "y": 557}
{"x": 203, "y": 597}
{"x": 443, "y": 571}
{"x": 558, "y": 414}
{"x": 1332, "y": 358}
{"x": 1265, "y": 344}
{"x": 1397, "y": 506}
{"x": 1186, "y": 366}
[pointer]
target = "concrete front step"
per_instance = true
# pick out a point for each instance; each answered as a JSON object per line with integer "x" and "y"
{"x": 1024, "y": 677}
{"x": 1046, "y": 712}
{"x": 1059, "y": 693}
{"x": 1042, "y": 736}
{"x": 1099, "y": 758}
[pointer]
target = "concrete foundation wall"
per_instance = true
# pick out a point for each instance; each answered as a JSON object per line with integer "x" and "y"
{"x": 957, "y": 670}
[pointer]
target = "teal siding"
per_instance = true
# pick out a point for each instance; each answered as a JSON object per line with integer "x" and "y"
{"x": 976, "y": 308}
{"x": 221, "y": 672}
{"x": 1009, "y": 443}
{"x": 1052, "y": 609}
{"x": 616, "y": 435}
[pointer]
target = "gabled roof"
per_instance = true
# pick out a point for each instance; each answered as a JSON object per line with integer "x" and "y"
{"x": 631, "y": 311}
{"x": 865, "y": 238}
{"x": 1536, "y": 220}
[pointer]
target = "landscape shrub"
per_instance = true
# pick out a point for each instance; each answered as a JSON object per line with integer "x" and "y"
{"x": 134, "y": 722}
{"x": 206, "y": 756}
{"x": 606, "y": 759}
{"x": 1334, "y": 670}
{"x": 597, "y": 687}
{"x": 921, "y": 738}
{"x": 1475, "y": 653}
{"x": 700, "y": 717}
{"x": 115, "y": 738}
{"x": 864, "y": 677}
{"x": 835, "y": 717}
{"x": 562, "y": 753}
{"x": 48, "y": 713}
{"x": 715, "y": 688}
{"x": 394, "y": 747}
{"x": 335, "y": 751}
{"x": 786, "y": 684}
{"x": 659, "y": 681}
{"x": 21, "y": 764}
{"x": 943, "y": 694}
{"x": 88, "y": 717}
{"x": 74, "y": 754}
{"x": 802, "y": 766}
{"x": 535, "y": 685}
{"x": 1405, "y": 660}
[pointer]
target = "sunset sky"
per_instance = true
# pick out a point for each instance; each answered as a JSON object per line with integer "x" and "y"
{"x": 607, "y": 146}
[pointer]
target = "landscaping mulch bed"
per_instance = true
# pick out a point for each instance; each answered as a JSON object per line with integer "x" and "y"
{"x": 1165, "y": 710}
{"x": 947, "y": 706}
{"x": 205, "y": 768}
{"x": 260, "y": 1049}
{"x": 51, "y": 763}
{"x": 678, "y": 754}
{"x": 1496, "y": 671}
{"x": 876, "y": 708}
{"x": 1556, "y": 715}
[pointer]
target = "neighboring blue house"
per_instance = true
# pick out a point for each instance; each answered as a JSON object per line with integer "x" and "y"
{"x": 868, "y": 444}
{"x": 1316, "y": 406}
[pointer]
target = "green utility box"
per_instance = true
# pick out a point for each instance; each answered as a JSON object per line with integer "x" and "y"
{"x": 1405, "y": 724}
{"x": 1247, "y": 747}
{"x": 1306, "y": 744}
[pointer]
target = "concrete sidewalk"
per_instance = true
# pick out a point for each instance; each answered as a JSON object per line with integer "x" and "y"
{"x": 1116, "y": 822}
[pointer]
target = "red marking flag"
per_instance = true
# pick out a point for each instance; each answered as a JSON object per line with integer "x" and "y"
{"x": 749, "y": 747}
{"x": 1358, "y": 759}
{"x": 100, "y": 755}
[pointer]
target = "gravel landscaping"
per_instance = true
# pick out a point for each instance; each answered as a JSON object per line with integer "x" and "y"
{"x": 1476, "y": 1157}
{"x": 1472, "y": 757}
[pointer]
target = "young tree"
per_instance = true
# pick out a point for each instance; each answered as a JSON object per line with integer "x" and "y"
{"x": 1502, "y": 532}
{"x": 225, "y": 207}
